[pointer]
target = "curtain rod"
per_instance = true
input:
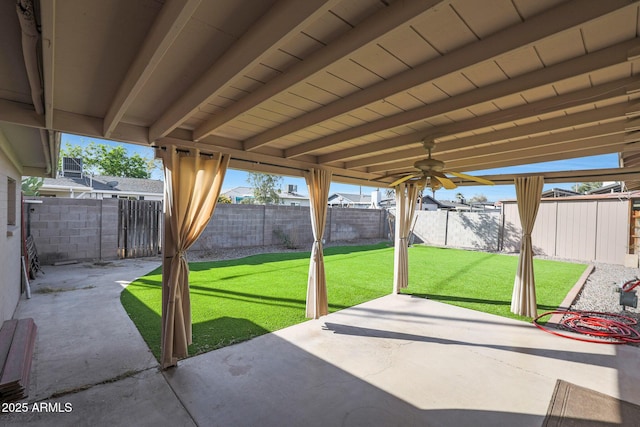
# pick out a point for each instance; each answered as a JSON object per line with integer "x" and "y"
{"x": 185, "y": 151}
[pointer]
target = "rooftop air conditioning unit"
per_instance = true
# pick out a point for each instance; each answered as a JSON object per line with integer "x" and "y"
{"x": 72, "y": 167}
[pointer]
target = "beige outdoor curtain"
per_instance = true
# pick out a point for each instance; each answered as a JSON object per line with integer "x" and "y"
{"x": 406, "y": 195}
{"x": 318, "y": 182}
{"x": 192, "y": 186}
{"x": 528, "y": 193}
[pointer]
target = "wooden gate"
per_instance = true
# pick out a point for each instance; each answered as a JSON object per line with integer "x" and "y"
{"x": 139, "y": 228}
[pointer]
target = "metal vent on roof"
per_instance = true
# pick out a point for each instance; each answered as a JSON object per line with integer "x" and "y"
{"x": 72, "y": 167}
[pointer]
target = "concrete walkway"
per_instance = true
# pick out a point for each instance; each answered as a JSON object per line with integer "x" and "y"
{"x": 397, "y": 360}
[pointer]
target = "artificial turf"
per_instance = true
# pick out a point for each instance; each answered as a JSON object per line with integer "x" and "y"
{"x": 235, "y": 300}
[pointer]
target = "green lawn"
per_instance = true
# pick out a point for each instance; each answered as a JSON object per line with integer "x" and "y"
{"x": 235, "y": 300}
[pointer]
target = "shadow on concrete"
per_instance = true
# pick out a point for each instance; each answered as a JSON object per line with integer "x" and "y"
{"x": 580, "y": 357}
{"x": 273, "y": 382}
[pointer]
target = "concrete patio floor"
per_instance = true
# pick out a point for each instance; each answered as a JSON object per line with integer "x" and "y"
{"x": 397, "y": 360}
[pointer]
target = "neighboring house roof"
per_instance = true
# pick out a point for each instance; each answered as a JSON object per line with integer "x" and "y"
{"x": 431, "y": 201}
{"x": 242, "y": 192}
{"x": 616, "y": 187}
{"x": 107, "y": 184}
{"x": 360, "y": 199}
{"x": 559, "y": 192}
{"x": 239, "y": 192}
{"x": 294, "y": 196}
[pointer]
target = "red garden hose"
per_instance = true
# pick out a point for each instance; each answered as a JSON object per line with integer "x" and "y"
{"x": 612, "y": 328}
{"x": 630, "y": 285}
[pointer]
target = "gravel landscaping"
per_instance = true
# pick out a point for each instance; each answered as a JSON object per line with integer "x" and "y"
{"x": 599, "y": 292}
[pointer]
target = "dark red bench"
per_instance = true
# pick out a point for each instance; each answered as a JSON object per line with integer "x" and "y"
{"x": 17, "y": 341}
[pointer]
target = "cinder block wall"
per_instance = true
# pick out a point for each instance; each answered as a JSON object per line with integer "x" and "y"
{"x": 431, "y": 227}
{"x": 74, "y": 229}
{"x": 234, "y": 226}
{"x": 473, "y": 230}
{"x": 351, "y": 224}
{"x": 468, "y": 230}
{"x": 87, "y": 229}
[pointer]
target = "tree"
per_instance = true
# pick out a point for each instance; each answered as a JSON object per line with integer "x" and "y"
{"x": 460, "y": 197}
{"x": 583, "y": 187}
{"x": 478, "y": 198}
{"x": 101, "y": 159}
{"x": 224, "y": 199}
{"x": 31, "y": 185}
{"x": 265, "y": 187}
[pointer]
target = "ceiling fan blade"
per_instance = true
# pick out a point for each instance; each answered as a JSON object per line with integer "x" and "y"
{"x": 446, "y": 182}
{"x": 401, "y": 180}
{"x": 472, "y": 178}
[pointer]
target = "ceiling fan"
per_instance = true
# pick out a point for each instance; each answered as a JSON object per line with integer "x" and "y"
{"x": 432, "y": 173}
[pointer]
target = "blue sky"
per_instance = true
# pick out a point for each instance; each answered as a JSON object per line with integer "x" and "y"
{"x": 237, "y": 178}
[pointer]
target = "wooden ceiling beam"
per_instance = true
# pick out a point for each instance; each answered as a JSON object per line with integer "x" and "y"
{"x": 588, "y": 175}
{"x": 552, "y": 142}
{"x": 583, "y": 148}
{"x": 337, "y": 174}
{"x": 585, "y": 175}
{"x": 217, "y": 144}
{"x": 540, "y": 158}
{"x": 283, "y": 21}
{"x": 520, "y": 154}
{"x": 581, "y": 65}
{"x": 561, "y": 18}
{"x": 367, "y": 32}
{"x": 170, "y": 22}
{"x": 609, "y": 91}
{"x": 620, "y": 111}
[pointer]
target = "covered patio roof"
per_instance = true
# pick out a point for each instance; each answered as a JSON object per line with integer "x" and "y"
{"x": 347, "y": 86}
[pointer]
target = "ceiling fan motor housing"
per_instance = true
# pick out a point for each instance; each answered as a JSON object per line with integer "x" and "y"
{"x": 426, "y": 165}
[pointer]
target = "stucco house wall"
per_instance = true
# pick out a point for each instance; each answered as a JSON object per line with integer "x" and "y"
{"x": 10, "y": 238}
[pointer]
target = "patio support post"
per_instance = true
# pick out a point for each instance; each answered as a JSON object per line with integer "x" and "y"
{"x": 406, "y": 194}
{"x": 192, "y": 186}
{"x": 318, "y": 182}
{"x": 528, "y": 193}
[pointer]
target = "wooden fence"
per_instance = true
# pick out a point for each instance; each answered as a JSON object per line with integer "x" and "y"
{"x": 139, "y": 228}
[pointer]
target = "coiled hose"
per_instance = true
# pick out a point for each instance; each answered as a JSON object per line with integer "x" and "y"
{"x": 608, "y": 328}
